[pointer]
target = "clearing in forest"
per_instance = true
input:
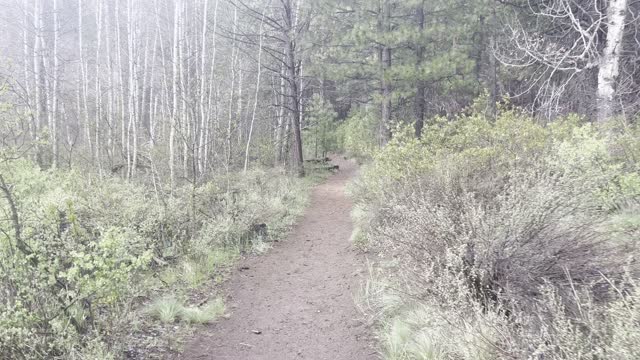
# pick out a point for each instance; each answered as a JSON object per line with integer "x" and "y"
{"x": 297, "y": 301}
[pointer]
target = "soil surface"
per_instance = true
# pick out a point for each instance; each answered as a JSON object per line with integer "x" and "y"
{"x": 297, "y": 301}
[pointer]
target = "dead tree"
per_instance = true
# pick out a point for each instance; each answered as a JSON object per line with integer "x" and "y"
{"x": 567, "y": 40}
{"x": 285, "y": 23}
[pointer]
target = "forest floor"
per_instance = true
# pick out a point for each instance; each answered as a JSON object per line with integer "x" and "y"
{"x": 297, "y": 301}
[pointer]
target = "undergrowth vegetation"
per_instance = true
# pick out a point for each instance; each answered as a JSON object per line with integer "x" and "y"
{"x": 504, "y": 239}
{"x": 88, "y": 260}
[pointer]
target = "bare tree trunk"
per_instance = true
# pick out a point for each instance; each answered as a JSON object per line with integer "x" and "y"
{"x": 27, "y": 64}
{"x": 385, "y": 59}
{"x": 280, "y": 142}
{"x": 165, "y": 79}
{"x": 608, "y": 70}
{"x": 40, "y": 85}
{"x": 234, "y": 55}
{"x": 420, "y": 88}
{"x": 136, "y": 91}
{"x": 239, "y": 116}
{"x": 184, "y": 118}
{"x": 83, "y": 107}
{"x": 493, "y": 65}
{"x": 212, "y": 100}
{"x": 123, "y": 137}
{"x": 98, "y": 95}
{"x": 54, "y": 95}
{"x": 110, "y": 91}
{"x": 257, "y": 92}
{"x": 292, "y": 65}
{"x": 174, "y": 115}
{"x": 203, "y": 78}
{"x": 153, "y": 99}
{"x": 131, "y": 161}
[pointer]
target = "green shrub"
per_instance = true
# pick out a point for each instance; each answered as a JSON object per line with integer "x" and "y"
{"x": 357, "y": 135}
{"x": 83, "y": 250}
{"x": 507, "y": 230}
{"x": 167, "y": 309}
{"x": 206, "y": 314}
{"x": 63, "y": 271}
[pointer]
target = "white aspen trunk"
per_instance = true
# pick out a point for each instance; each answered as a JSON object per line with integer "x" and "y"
{"x": 165, "y": 115}
{"x": 286, "y": 140}
{"x": 46, "y": 88}
{"x": 281, "y": 116}
{"x": 257, "y": 93}
{"x": 165, "y": 82}
{"x": 70, "y": 140}
{"x": 37, "y": 71}
{"x": 153, "y": 118}
{"x": 301, "y": 94}
{"x": 27, "y": 64}
{"x": 385, "y": 60}
{"x": 110, "y": 89}
{"x": 212, "y": 95}
{"x": 175, "y": 109}
{"x": 240, "y": 125}
{"x": 130, "y": 90}
{"x": 233, "y": 78}
{"x": 184, "y": 131}
{"x": 144, "y": 111}
{"x": 153, "y": 100}
{"x": 40, "y": 78}
{"x": 83, "y": 82}
{"x": 54, "y": 97}
{"x": 121, "y": 95}
{"x": 135, "y": 114}
{"x": 203, "y": 78}
{"x": 98, "y": 94}
{"x": 608, "y": 70}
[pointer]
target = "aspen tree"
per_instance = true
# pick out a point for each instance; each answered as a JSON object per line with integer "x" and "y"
{"x": 257, "y": 91}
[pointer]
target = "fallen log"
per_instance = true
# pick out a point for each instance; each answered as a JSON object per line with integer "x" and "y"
{"x": 318, "y": 161}
{"x": 331, "y": 168}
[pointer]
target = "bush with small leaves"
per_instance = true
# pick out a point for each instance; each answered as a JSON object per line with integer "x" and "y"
{"x": 517, "y": 234}
{"x": 80, "y": 251}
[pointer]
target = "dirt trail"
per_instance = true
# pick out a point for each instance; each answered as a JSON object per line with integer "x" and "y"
{"x": 300, "y": 295}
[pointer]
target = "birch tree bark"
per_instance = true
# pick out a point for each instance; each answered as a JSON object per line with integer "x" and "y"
{"x": 55, "y": 78}
{"x": 175, "y": 84}
{"x": 111, "y": 107}
{"x": 385, "y": 61}
{"x": 608, "y": 70}
{"x": 83, "y": 106}
{"x": 27, "y": 64}
{"x": 578, "y": 29}
{"x": 234, "y": 55}
{"x": 98, "y": 94}
{"x": 212, "y": 101}
{"x": 420, "y": 85}
{"x": 131, "y": 158}
{"x": 203, "y": 80}
{"x": 40, "y": 78}
{"x": 257, "y": 92}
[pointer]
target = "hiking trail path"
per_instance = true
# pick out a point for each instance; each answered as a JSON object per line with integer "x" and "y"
{"x": 297, "y": 301}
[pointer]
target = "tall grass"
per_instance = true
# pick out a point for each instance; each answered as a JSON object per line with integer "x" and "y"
{"x": 169, "y": 309}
